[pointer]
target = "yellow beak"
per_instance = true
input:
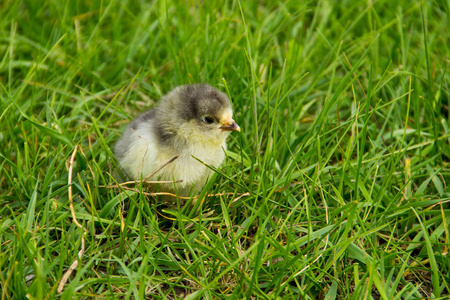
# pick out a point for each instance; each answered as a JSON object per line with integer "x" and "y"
{"x": 230, "y": 125}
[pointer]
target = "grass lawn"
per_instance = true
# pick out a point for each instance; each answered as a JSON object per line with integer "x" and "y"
{"x": 336, "y": 188}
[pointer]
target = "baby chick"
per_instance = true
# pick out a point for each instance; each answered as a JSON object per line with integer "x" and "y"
{"x": 191, "y": 120}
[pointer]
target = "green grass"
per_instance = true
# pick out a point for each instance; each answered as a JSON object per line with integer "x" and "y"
{"x": 343, "y": 156}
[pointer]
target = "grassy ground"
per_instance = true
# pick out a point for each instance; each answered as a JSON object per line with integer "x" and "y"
{"x": 336, "y": 188}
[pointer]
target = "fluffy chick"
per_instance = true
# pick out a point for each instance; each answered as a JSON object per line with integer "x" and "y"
{"x": 191, "y": 120}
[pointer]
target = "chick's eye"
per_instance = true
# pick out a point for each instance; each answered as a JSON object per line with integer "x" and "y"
{"x": 208, "y": 120}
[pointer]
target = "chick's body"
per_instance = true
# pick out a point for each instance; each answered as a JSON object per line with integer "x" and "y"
{"x": 192, "y": 120}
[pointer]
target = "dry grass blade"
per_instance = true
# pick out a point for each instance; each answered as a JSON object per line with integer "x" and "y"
{"x": 149, "y": 176}
{"x": 74, "y": 265}
{"x": 138, "y": 181}
{"x": 163, "y": 166}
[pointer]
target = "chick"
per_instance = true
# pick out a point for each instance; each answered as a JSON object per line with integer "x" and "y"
{"x": 191, "y": 120}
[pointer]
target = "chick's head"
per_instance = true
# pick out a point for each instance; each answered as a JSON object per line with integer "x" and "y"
{"x": 199, "y": 113}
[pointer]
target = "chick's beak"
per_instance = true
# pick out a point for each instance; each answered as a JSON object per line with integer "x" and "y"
{"x": 230, "y": 125}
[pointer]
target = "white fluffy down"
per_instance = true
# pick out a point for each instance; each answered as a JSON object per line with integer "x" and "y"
{"x": 145, "y": 155}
